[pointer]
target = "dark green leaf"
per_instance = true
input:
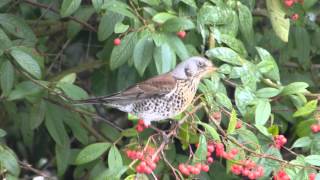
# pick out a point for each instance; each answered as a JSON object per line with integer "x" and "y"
{"x": 62, "y": 157}
{"x": 74, "y": 122}
{"x": 226, "y": 55}
{"x": 107, "y": 24}
{"x": 83, "y": 13}
{"x": 177, "y": 24}
{"x": 17, "y": 27}
{"x": 142, "y": 54}
{"x": 97, "y": 4}
{"x": 224, "y": 100}
{"x": 303, "y": 128}
{"x": 2, "y": 133}
{"x": 122, "y": 53}
{"x": 114, "y": 159}
{"x": 69, "y": 6}
{"x": 37, "y": 114}
{"x": 212, "y": 131}
{"x": 178, "y": 46}
{"x": 307, "y": 109}
{"x": 164, "y": 58}
{"x": 26, "y": 61}
{"x": 54, "y": 124}
{"x": 7, "y": 77}
{"x": 5, "y": 42}
{"x": 263, "y": 112}
{"x": 234, "y": 44}
{"x": 92, "y": 152}
{"x": 4, "y": 2}
{"x": 248, "y": 138}
{"x": 118, "y": 7}
{"x": 245, "y": 19}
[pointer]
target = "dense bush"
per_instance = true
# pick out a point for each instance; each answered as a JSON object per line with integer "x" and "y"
{"x": 256, "y": 118}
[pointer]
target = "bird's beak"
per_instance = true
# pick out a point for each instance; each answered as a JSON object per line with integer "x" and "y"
{"x": 211, "y": 69}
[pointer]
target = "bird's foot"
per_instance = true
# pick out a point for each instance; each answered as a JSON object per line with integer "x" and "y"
{"x": 165, "y": 136}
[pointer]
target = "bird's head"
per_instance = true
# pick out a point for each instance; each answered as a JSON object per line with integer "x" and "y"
{"x": 194, "y": 67}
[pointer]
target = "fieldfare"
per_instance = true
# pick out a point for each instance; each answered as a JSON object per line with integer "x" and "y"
{"x": 163, "y": 96}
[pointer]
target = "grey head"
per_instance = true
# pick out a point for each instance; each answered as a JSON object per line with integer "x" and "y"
{"x": 193, "y": 67}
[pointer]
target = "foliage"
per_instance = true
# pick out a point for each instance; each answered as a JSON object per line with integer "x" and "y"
{"x": 54, "y": 52}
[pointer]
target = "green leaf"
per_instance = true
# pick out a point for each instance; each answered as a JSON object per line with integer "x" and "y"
{"x": 142, "y": 54}
{"x": 245, "y": 19}
{"x": 26, "y": 61}
{"x": 212, "y": 131}
{"x": 63, "y": 154}
{"x": 17, "y": 27}
{"x": 24, "y": 89}
{"x": 267, "y": 92}
{"x": 248, "y": 138}
{"x": 120, "y": 27}
{"x": 303, "y": 128}
{"x": 2, "y": 133}
{"x": 5, "y": 41}
{"x": 72, "y": 91}
{"x": 92, "y": 152}
{"x": 7, "y": 77}
{"x": 37, "y": 114}
{"x": 132, "y": 132}
{"x": 97, "y": 4}
{"x": 232, "y": 122}
{"x": 303, "y": 45}
{"x": 54, "y": 124}
{"x": 178, "y": 46}
{"x": 263, "y": 112}
{"x": 152, "y": 2}
{"x": 226, "y": 55}
{"x": 107, "y": 24}
{"x": 201, "y": 152}
{"x": 164, "y": 58}
{"x": 122, "y": 53}
{"x": 307, "y": 109}
{"x": 83, "y": 13}
{"x": 263, "y": 130}
{"x": 268, "y": 65}
{"x": 224, "y": 100}
{"x": 162, "y": 17}
{"x": 73, "y": 121}
{"x": 234, "y": 44}
{"x": 9, "y": 161}
{"x": 4, "y": 2}
{"x": 294, "y": 88}
{"x": 280, "y": 23}
{"x": 69, "y": 6}
{"x": 119, "y": 7}
{"x": 177, "y": 24}
{"x": 243, "y": 97}
{"x": 191, "y": 3}
{"x": 69, "y": 78}
{"x": 313, "y": 160}
{"x": 114, "y": 159}
{"x": 215, "y": 15}
{"x": 302, "y": 142}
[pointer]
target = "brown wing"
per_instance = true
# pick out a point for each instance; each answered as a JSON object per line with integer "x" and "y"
{"x": 156, "y": 86}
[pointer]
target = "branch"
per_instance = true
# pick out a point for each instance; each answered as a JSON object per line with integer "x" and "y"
{"x": 44, "y": 6}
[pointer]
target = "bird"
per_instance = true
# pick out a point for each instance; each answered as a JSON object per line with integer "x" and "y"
{"x": 160, "y": 97}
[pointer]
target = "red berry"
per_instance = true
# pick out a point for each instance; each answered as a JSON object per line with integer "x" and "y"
{"x": 152, "y": 165}
{"x": 140, "y": 121}
{"x": 210, "y": 148}
{"x": 294, "y": 16}
{"x": 117, "y": 41}
{"x": 245, "y": 172}
{"x": 148, "y": 170}
{"x": 210, "y": 160}
{"x": 205, "y": 167}
{"x": 312, "y": 176}
{"x": 236, "y": 169}
{"x": 314, "y": 128}
{"x": 234, "y": 151}
{"x": 139, "y": 169}
{"x": 251, "y": 175}
{"x": 183, "y": 169}
{"x": 288, "y": 3}
{"x": 139, "y": 128}
{"x": 238, "y": 125}
{"x": 181, "y": 34}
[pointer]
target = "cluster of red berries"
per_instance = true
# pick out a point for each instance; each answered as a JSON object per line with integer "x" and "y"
{"x": 188, "y": 170}
{"x": 140, "y": 126}
{"x": 279, "y": 141}
{"x": 281, "y": 175}
{"x": 181, "y": 34}
{"x": 147, "y": 162}
{"x": 248, "y": 168}
{"x": 220, "y": 152}
{"x": 315, "y": 128}
{"x": 312, "y": 176}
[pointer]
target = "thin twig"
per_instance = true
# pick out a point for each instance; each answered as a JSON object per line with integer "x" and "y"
{"x": 29, "y": 167}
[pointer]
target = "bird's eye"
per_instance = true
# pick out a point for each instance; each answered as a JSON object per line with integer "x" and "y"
{"x": 201, "y": 64}
{"x": 188, "y": 72}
